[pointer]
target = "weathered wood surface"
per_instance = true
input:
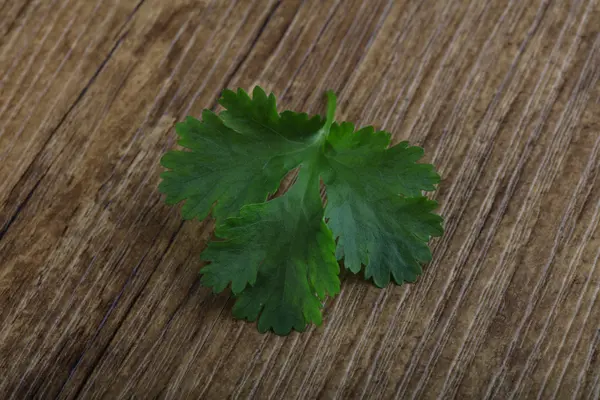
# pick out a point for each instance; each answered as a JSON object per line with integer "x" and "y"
{"x": 99, "y": 295}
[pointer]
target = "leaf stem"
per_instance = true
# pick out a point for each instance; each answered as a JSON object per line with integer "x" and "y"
{"x": 331, "y": 105}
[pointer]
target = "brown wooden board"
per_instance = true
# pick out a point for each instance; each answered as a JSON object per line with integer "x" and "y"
{"x": 99, "y": 291}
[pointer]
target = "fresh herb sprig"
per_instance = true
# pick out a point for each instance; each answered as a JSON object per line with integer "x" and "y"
{"x": 280, "y": 257}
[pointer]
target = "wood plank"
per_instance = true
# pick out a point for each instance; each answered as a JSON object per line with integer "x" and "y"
{"x": 99, "y": 291}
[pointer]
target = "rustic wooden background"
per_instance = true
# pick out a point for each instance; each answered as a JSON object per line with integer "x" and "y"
{"x": 99, "y": 295}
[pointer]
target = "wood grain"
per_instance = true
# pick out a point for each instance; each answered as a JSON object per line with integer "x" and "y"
{"x": 99, "y": 293}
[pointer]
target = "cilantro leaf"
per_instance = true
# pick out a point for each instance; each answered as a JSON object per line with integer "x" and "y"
{"x": 237, "y": 157}
{"x": 279, "y": 257}
{"x": 368, "y": 208}
{"x": 382, "y": 168}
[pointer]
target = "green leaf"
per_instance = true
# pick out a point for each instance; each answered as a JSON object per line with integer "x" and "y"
{"x": 382, "y": 169}
{"x": 368, "y": 208}
{"x": 279, "y": 257}
{"x": 238, "y": 157}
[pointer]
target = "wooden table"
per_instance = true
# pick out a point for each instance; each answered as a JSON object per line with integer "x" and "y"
{"x": 99, "y": 291}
